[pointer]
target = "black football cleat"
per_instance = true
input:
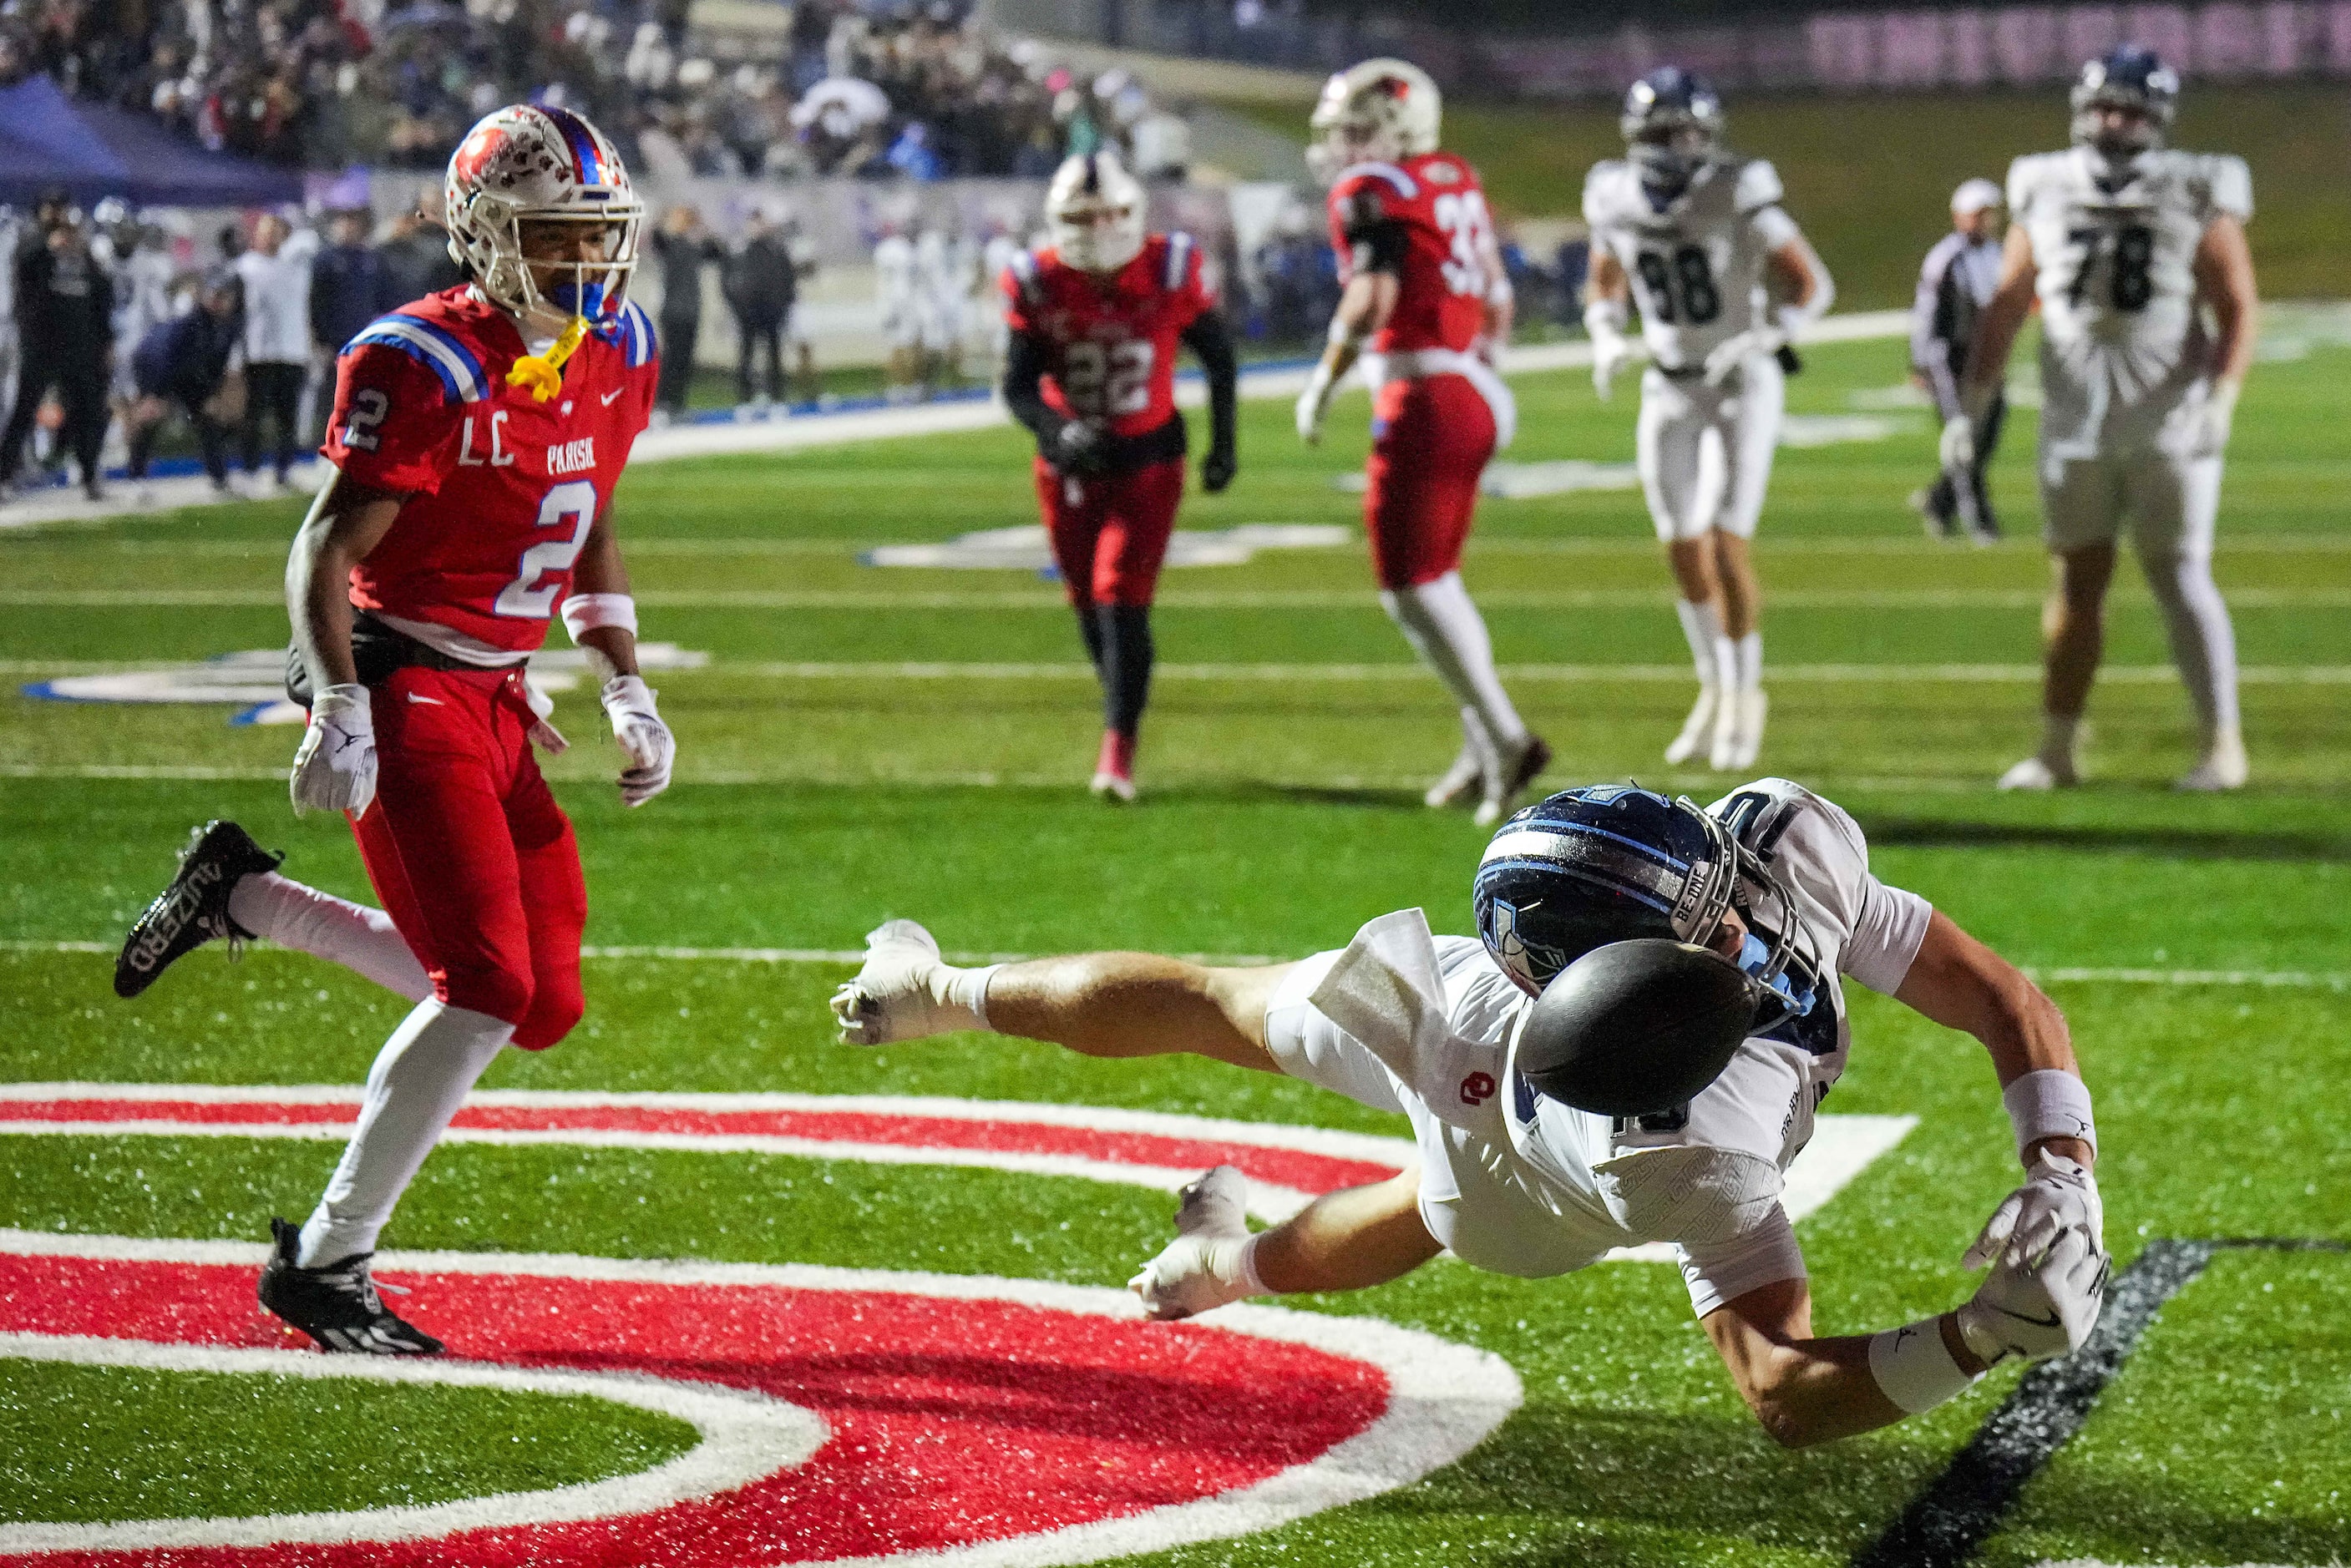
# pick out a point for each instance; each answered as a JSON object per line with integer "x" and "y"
{"x": 336, "y": 1305}
{"x": 193, "y": 909}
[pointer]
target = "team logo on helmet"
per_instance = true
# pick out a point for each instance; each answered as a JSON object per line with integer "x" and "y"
{"x": 528, "y": 165}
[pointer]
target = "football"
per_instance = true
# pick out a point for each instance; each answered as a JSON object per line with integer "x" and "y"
{"x": 1636, "y": 1027}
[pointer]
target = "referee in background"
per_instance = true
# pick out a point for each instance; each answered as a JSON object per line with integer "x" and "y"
{"x": 1958, "y": 276}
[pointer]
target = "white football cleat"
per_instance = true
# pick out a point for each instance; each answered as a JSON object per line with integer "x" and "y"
{"x": 900, "y": 992}
{"x": 1112, "y": 787}
{"x": 1464, "y": 781}
{"x": 1722, "y": 747}
{"x": 1697, "y": 730}
{"x": 2039, "y": 773}
{"x": 1201, "y": 1268}
{"x": 2223, "y": 768}
{"x": 1748, "y": 712}
{"x": 1516, "y": 769}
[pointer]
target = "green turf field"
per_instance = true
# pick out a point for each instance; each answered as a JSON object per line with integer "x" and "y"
{"x": 868, "y": 743}
{"x": 1867, "y": 175}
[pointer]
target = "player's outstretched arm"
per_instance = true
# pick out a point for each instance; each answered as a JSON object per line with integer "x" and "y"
{"x": 602, "y": 617}
{"x": 1962, "y": 985}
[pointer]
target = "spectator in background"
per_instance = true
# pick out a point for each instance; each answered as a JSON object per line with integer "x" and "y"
{"x": 1958, "y": 276}
{"x": 681, "y": 247}
{"x": 277, "y": 276}
{"x": 64, "y": 309}
{"x": 12, "y": 229}
{"x": 417, "y": 259}
{"x": 183, "y": 361}
{"x": 351, "y": 284}
{"x": 762, "y": 285}
{"x": 1570, "y": 266}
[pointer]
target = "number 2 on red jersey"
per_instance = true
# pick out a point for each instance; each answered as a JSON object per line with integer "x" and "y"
{"x": 531, "y": 596}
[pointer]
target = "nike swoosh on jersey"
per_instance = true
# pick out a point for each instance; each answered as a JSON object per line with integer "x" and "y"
{"x": 607, "y": 399}
{"x": 427, "y": 701}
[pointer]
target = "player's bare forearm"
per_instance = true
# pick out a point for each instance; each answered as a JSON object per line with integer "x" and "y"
{"x": 1365, "y": 306}
{"x": 611, "y": 650}
{"x": 1794, "y": 276}
{"x": 1607, "y": 279}
{"x": 1804, "y": 1390}
{"x": 1137, "y": 1004}
{"x": 344, "y": 524}
{"x": 2224, "y": 280}
{"x": 1962, "y": 985}
{"x": 2002, "y": 316}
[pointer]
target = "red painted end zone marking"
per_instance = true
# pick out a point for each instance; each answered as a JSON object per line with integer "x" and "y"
{"x": 955, "y": 1422}
{"x": 1299, "y": 1170}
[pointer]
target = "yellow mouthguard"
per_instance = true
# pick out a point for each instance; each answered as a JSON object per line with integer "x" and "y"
{"x": 543, "y": 373}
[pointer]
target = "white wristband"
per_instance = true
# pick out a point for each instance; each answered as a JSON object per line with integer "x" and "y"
{"x": 1500, "y": 291}
{"x": 586, "y": 612}
{"x": 1606, "y": 316}
{"x": 1914, "y": 1368}
{"x": 1345, "y": 335}
{"x": 2050, "y": 1103}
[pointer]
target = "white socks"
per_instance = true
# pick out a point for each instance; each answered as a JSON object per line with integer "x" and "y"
{"x": 2203, "y": 643}
{"x": 1711, "y": 649}
{"x": 1445, "y": 629}
{"x": 359, "y": 938}
{"x": 1746, "y": 661}
{"x": 420, "y": 1078}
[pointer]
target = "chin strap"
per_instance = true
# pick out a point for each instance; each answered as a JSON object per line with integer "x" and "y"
{"x": 543, "y": 373}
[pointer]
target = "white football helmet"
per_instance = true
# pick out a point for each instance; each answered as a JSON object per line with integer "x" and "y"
{"x": 1380, "y": 109}
{"x": 525, "y": 164}
{"x": 1096, "y": 213}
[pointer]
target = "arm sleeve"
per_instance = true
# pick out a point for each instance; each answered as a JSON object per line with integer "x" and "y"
{"x": 1886, "y": 930}
{"x": 1718, "y": 1272}
{"x": 1024, "y": 391}
{"x": 1883, "y": 925}
{"x": 1015, "y": 300}
{"x": 1208, "y": 337}
{"x": 1364, "y": 233}
{"x": 2231, "y": 186}
{"x": 1773, "y": 227}
{"x": 1759, "y": 186}
{"x": 394, "y": 426}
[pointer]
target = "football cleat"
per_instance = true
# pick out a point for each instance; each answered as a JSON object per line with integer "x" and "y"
{"x": 1697, "y": 730}
{"x": 1114, "y": 777}
{"x": 1938, "y": 525}
{"x": 2039, "y": 773}
{"x": 1517, "y": 770}
{"x": 1201, "y": 1270}
{"x": 193, "y": 909}
{"x": 1461, "y": 783}
{"x": 336, "y": 1303}
{"x": 1722, "y": 745}
{"x": 2223, "y": 768}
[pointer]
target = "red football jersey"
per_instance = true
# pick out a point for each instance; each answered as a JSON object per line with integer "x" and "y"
{"x": 1112, "y": 341}
{"x": 1441, "y": 295}
{"x": 501, "y": 489}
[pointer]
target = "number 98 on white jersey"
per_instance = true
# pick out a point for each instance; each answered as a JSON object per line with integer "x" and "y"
{"x": 1696, "y": 264}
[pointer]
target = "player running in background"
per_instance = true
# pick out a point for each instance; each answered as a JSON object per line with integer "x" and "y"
{"x": 1427, "y": 305}
{"x": 1523, "y": 1174}
{"x": 1094, "y": 320}
{"x": 2128, "y": 247}
{"x": 1695, "y": 235}
{"x": 477, "y": 435}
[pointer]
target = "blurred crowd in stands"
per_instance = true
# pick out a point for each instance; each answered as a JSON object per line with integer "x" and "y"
{"x": 872, "y": 87}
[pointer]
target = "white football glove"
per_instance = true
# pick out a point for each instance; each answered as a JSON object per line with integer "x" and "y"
{"x": 1207, "y": 1265}
{"x": 1734, "y": 352}
{"x": 906, "y": 992}
{"x": 651, "y": 747}
{"x": 2037, "y": 1312}
{"x": 1957, "y": 453}
{"x": 2213, "y": 419}
{"x": 1315, "y": 402}
{"x": 1610, "y": 352}
{"x": 2058, "y": 1196}
{"x": 334, "y": 770}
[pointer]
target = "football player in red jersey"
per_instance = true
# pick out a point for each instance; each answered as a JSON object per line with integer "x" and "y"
{"x": 1426, "y": 306}
{"x": 477, "y": 435}
{"x": 1095, "y": 318}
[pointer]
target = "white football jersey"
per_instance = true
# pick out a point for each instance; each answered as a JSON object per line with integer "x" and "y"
{"x": 2123, "y": 343}
{"x": 1696, "y": 265}
{"x": 1706, "y": 1177}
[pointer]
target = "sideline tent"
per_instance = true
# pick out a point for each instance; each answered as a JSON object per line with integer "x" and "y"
{"x": 96, "y": 149}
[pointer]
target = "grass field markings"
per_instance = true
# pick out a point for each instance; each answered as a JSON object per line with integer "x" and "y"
{"x": 1288, "y": 1166}
{"x": 1188, "y": 599}
{"x": 920, "y": 1466}
{"x": 1950, "y": 1518}
{"x": 2261, "y": 979}
{"x": 1399, "y": 670}
{"x": 746, "y": 1437}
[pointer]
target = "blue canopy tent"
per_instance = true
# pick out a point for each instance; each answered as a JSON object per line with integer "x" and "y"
{"x": 96, "y": 149}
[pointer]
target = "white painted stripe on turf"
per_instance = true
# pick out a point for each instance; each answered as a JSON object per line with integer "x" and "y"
{"x": 1396, "y": 670}
{"x": 746, "y": 1435}
{"x": 1443, "y": 1398}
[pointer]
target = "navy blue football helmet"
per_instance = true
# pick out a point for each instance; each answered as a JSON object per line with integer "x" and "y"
{"x": 1672, "y": 123}
{"x": 2125, "y": 77}
{"x": 1609, "y": 863}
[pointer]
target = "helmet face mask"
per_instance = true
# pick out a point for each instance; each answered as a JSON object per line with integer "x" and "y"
{"x": 1380, "y": 111}
{"x": 2124, "y": 103}
{"x": 1096, "y": 213}
{"x": 519, "y": 188}
{"x": 1673, "y": 124}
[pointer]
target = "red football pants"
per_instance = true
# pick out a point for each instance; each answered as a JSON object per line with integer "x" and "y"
{"x": 1110, "y": 531}
{"x": 1431, "y": 436}
{"x": 471, "y": 858}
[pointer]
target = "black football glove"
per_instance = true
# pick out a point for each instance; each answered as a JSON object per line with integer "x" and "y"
{"x": 1217, "y": 469}
{"x": 1080, "y": 447}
